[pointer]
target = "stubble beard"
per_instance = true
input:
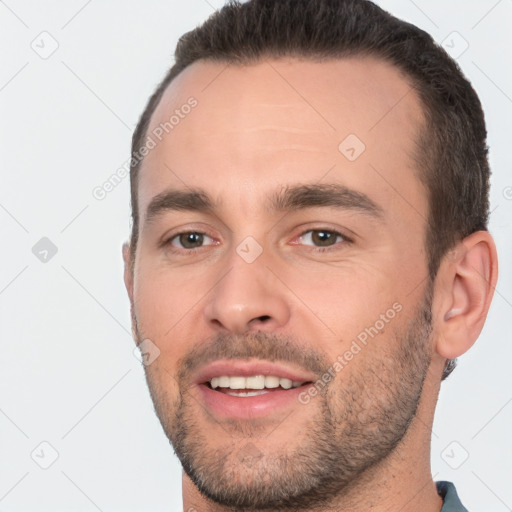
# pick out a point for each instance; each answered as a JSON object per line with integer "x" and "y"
{"x": 352, "y": 426}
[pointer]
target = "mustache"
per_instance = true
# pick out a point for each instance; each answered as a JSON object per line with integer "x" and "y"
{"x": 259, "y": 345}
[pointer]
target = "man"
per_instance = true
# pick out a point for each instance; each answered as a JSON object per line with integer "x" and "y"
{"x": 309, "y": 255}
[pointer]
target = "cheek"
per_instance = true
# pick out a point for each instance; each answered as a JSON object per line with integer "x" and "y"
{"x": 164, "y": 306}
{"x": 346, "y": 299}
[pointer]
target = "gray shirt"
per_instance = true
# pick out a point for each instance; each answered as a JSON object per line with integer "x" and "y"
{"x": 450, "y": 497}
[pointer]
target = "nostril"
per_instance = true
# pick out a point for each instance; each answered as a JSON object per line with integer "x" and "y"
{"x": 263, "y": 318}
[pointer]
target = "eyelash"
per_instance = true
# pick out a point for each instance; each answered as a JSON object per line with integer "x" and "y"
{"x": 314, "y": 248}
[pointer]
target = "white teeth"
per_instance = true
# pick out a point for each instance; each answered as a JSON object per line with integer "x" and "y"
{"x": 257, "y": 382}
{"x": 237, "y": 383}
{"x": 285, "y": 383}
{"x": 271, "y": 382}
{"x": 223, "y": 382}
{"x": 248, "y": 393}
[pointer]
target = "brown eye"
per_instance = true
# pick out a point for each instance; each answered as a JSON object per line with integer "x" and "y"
{"x": 190, "y": 240}
{"x": 321, "y": 238}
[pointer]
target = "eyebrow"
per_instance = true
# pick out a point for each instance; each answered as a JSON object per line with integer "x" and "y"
{"x": 325, "y": 195}
{"x": 178, "y": 200}
{"x": 290, "y": 198}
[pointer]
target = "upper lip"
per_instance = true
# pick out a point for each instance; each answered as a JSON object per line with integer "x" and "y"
{"x": 238, "y": 368}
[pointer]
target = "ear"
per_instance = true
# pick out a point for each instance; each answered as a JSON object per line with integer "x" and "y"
{"x": 467, "y": 279}
{"x": 128, "y": 270}
{"x": 128, "y": 282}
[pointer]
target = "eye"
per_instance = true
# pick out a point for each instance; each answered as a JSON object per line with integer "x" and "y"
{"x": 190, "y": 240}
{"x": 321, "y": 238}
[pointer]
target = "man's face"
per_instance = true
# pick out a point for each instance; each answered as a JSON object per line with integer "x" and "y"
{"x": 284, "y": 246}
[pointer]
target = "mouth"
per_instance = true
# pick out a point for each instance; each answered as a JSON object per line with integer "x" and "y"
{"x": 250, "y": 389}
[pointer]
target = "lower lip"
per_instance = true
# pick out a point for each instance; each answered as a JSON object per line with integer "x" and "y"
{"x": 227, "y": 406}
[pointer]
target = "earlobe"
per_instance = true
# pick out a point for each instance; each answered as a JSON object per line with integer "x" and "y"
{"x": 468, "y": 283}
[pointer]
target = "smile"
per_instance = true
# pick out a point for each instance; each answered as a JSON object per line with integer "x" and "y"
{"x": 255, "y": 385}
{"x": 250, "y": 389}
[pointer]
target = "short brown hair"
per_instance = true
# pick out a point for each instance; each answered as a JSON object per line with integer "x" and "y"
{"x": 451, "y": 152}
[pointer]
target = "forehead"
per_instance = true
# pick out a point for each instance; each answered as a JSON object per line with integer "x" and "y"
{"x": 247, "y": 130}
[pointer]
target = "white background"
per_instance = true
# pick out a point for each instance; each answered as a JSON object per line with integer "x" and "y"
{"x": 67, "y": 372}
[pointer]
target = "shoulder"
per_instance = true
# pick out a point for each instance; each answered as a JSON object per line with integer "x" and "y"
{"x": 450, "y": 497}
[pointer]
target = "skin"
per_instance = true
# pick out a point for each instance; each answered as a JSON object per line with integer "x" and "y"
{"x": 255, "y": 130}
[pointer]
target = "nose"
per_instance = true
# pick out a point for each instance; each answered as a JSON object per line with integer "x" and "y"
{"x": 248, "y": 297}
